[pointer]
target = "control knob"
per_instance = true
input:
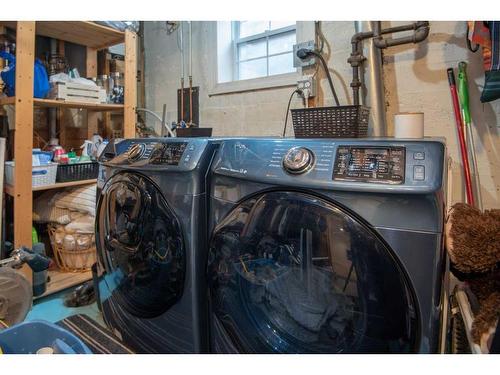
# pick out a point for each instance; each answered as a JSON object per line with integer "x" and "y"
{"x": 136, "y": 151}
{"x": 298, "y": 160}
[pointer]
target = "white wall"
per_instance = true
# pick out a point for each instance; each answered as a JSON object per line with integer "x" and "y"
{"x": 414, "y": 76}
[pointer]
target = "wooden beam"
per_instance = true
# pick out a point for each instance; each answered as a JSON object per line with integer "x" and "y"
{"x": 103, "y": 63}
{"x": 61, "y": 50}
{"x": 130, "y": 84}
{"x": 91, "y": 72}
{"x": 23, "y": 138}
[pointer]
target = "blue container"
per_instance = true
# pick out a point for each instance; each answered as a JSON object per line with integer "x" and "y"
{"x": 41, "y": 84}
{"x": 44, "y": 157}
{"x": 29, "y": 337}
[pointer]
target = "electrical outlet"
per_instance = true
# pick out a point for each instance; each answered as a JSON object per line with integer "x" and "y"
{"x": 299, "y": 63}
{"x": 307, "y": 83}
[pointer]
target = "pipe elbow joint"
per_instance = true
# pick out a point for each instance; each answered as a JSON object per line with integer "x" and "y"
{"x": 422, "y": 32}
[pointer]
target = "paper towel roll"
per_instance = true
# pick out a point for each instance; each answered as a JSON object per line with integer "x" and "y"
{"x": 409, "y": 125}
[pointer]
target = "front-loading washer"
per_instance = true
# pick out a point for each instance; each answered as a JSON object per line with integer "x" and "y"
{"x": 328, "y": 246}
{"x": 151, "y": 240}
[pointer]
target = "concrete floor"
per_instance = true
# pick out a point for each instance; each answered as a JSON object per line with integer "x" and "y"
{"x": 52, "y": 309}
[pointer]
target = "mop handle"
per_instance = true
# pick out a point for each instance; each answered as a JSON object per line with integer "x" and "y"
{"x": 463, "y": 96}
{"x": 461, "y": 137}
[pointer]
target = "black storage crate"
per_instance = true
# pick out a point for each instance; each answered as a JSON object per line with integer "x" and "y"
{"x": 77, "y": 171}
{"x": 348, "y": 121}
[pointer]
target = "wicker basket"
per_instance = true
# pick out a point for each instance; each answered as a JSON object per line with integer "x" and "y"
{"x": 349, "y": 121}
{"x": 73, "y": 260}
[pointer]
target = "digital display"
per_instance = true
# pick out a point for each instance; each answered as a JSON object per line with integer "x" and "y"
{"x": 168, "y": 153}
{"x": 370, "y": 164}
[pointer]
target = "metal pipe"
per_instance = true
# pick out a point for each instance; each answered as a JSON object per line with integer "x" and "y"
{"x": 375, "y": 89}
{"x": 421, "y": 31}
{"x": 356, "y": 58}
{"x": 181, "y": 31}
{"x": 190, "y": 49}
{"x": 190, "y": 74}
{"x": 359, "y": 26}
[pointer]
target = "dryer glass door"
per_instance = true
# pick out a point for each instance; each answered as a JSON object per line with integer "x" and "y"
{"x": 293, "y": 273}
{"x": 140, "y": 245}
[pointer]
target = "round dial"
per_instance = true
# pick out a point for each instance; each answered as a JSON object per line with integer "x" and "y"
{"x": 298, "y": 160}
{"x": 136, "y": 151}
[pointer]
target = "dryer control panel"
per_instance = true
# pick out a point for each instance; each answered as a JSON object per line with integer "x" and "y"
{"x": 384, "y": 165}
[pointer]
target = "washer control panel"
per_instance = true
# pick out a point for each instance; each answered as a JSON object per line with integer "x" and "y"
{"x": 385, "y": 165}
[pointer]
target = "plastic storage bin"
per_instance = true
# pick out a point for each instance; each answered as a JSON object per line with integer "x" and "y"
{"x": 29, "y": 337}
{"x": 41, "y": 175}
{"x": 77, "y": 171}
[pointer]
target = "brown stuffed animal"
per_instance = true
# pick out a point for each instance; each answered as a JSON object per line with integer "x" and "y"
{"x": 473, "y": 244}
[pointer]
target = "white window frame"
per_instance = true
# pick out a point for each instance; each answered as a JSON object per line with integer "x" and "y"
{"x": 268, "y": 34}
{"x": 221, "y": 79}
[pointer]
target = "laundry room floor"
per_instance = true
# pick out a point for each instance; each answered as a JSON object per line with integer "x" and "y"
{"x": 52, "y": 309}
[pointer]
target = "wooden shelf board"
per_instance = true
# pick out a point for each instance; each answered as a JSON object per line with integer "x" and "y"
{"x": 9, "y": 189}
{"x": 60, "y": 280}
{"x": 84, "y": 33}
{"x": 4, "y": 100}
{"x": 67, "y": 104}
{"x": 102, "y": 107}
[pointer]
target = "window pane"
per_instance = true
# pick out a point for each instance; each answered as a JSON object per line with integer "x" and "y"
{"x": 281, "y": 64}
{"x": 279, "y": 24}
{"x": 253, "y": 69}
{"x": 248, "y": 28}
{"x": 251, "y": 50}
{"x": 281, "y": 43}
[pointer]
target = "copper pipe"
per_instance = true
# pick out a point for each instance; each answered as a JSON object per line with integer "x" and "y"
{"x": 190, "y": 100}
{"x": 182, "y": 99}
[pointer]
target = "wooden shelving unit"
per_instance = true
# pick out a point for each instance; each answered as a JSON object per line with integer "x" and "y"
{"x": 94, "y": 37}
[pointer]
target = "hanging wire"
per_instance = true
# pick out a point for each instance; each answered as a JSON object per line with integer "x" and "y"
{"x": 296, "y": 91}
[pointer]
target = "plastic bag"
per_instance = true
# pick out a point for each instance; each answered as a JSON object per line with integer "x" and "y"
{"x": 121, "y": 25}
{"x": 41, "y": 85}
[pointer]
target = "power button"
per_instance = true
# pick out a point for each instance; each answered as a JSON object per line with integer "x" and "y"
{"x": 418, "y": 172}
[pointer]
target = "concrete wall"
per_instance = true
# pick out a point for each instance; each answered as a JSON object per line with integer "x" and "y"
{"x": 414, "y": 76}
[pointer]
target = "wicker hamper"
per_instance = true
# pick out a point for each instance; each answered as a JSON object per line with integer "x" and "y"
{"x": 73, "y": 260}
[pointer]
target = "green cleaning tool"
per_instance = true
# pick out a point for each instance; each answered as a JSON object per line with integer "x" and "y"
{"x": 463, "y": 95}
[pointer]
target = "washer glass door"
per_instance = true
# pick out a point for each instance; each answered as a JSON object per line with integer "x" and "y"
{"x": 293, "y": 273}
{"x": 140, "y": 245}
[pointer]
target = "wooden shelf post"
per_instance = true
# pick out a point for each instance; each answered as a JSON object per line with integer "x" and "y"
{"x": 129, "y": 117}
{"x": 23, "y": 144}
{"x": 91, "y": 72}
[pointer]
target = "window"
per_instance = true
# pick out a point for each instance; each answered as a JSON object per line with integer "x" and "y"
{"x": 262, "y": 48}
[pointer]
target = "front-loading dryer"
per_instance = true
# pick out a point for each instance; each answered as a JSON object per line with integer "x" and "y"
{"x": 327, "y": 246}
{"x": 151, "y": 240}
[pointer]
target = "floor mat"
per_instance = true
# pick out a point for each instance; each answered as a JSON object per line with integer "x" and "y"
{"x": 99, "y": 340}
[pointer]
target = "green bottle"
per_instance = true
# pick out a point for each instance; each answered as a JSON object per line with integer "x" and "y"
{"x": 34, "y": 236}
